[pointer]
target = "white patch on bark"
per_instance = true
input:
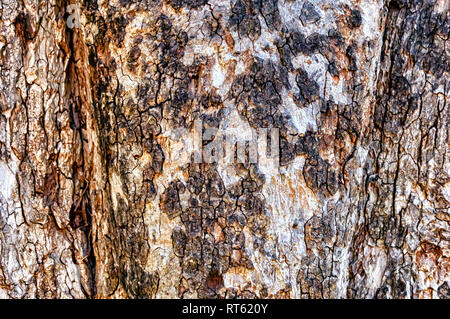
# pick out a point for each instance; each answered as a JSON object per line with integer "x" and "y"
{"x": 302, "y": 118}
{"x": 343, "y": 275}
{"x": 374, "y": 267}
{"x": 218, "y": 76}
{"x": 8, "y": 181}
{"x": 290, "y": 202}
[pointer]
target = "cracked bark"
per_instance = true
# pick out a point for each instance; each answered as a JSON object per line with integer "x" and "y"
{"x": 95, "y": 202}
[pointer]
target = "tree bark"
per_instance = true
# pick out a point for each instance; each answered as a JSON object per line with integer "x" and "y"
{"x": 95, "y": 201}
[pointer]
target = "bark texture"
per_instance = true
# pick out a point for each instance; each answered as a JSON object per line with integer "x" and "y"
{"x": 95, "y": 202}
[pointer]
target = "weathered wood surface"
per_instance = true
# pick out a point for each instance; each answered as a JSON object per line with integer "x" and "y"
{"x": 95, "y": 202}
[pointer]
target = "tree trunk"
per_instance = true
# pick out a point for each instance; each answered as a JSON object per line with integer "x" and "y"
{"x": 97, "y": 202}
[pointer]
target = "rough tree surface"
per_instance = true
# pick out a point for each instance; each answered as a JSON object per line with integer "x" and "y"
{"x": 94, "y": 202}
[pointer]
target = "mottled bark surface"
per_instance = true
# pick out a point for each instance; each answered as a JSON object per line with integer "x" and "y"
{"x": 96, "y": 203}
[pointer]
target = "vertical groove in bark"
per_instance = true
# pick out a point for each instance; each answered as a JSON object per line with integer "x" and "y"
{"x": 43, "y": 248}
{"x": 80, "y": 103}
{"x": 410, "y": 136}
